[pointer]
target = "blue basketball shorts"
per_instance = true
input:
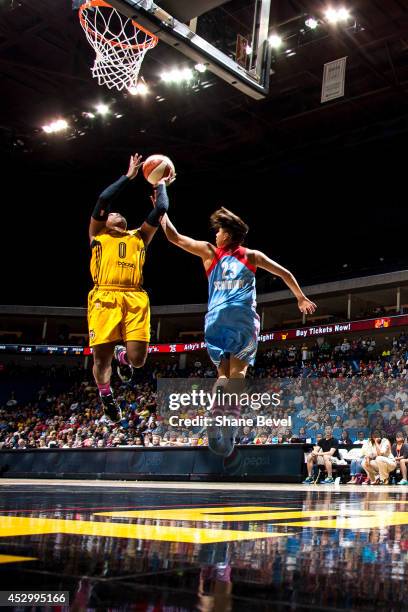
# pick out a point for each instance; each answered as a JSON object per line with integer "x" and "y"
{"x": 232, "y": 331}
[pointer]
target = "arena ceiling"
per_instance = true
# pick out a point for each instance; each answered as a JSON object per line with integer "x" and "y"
{"x": 45, "y": 71}
{"x": 319, "y": 184}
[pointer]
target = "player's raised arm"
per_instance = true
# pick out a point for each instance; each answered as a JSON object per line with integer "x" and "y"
{"x": 201, "y": 248}
{"x": 306, "y": 306}
{"x": 160, "y": 202}
{"x": 103, "y": 206}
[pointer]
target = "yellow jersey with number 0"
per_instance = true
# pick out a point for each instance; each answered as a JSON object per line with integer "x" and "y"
{"x": 117, "y": 260}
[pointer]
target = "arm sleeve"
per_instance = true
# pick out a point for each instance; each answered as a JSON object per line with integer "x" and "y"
{"x": 108, "y": 195}
{"x": 162, "y": 206}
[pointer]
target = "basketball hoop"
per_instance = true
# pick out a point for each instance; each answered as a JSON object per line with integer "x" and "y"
{"x": 120, "y": 44}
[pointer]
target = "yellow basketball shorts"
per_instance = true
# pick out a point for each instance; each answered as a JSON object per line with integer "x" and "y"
{"x": 118, "y": 315}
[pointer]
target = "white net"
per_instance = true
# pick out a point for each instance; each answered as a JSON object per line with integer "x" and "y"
{"x": 120, "y": 44}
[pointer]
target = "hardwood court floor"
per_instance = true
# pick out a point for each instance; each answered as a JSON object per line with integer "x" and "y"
{"x": 199, "y": 546}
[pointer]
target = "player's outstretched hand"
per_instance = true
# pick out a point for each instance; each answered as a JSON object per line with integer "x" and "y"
{"x": 166, "y": 180}
{"x": 306, "y": 306}
{"x": 134, "y": 165}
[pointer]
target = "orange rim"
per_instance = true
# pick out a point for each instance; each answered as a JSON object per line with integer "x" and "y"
{"x": 95, "y": 3}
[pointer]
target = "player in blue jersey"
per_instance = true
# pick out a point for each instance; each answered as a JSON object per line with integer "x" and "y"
{"x": 232, "y": 323}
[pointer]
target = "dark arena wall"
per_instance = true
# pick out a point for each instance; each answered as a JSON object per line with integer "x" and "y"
{"x": 280, "y": 463}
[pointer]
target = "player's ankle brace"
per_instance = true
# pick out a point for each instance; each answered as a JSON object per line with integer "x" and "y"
{"x": 123, "y": 358}
{"x": 104, "y": 389}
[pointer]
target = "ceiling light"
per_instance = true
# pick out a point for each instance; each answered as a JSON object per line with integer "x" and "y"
{"x": 311, "y": 23}
{"x": 334, "y": 16}
{"x": 187, "y": 74}
{"x": 102, "y": 109}
{"x": 344, "y": 14}
{"x": 55, "y": 126}
{"x": 140, "y": 89}
{"x": 331, "y": 15}
{"x": 200, "y": 67}
{"x": 177, "y": 75}
{"x": 275, "y": 41}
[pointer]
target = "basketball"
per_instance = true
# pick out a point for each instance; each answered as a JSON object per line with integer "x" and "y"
{"x": 157, "y": 167}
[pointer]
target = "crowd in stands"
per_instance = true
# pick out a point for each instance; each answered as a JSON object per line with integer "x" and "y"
{"x": 372, "y": 462}
{"x": 347, "y": 385}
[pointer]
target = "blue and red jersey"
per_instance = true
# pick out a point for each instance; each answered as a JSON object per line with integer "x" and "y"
{"x": 231, "y": 280}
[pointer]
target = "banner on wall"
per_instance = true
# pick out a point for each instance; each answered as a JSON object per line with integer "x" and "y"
{"x": 314, "y": 331}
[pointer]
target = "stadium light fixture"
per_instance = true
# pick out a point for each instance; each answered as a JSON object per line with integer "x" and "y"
{"x": 344, "y": 14}
{"x": 177, "y": 75}
{"x": 187, "y": 74}
{"x": 275, "y": 41}
{"x": 140, "y": 89}
{"x": 102, "y": 109}
{"x": 311, "y": 23}
{"x": 200, "y": 67}
{"x": 59, "y": 125}
{"x": 337, "y": 15}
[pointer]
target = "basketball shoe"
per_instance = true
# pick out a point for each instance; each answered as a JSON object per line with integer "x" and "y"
{"x": 111, "y": 408}
{"x": 124, "y": 369}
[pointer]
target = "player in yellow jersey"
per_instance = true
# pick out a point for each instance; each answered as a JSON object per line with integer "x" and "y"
{"x": 118, "y": 306}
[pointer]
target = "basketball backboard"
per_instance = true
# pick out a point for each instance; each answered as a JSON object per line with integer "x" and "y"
{"x": 229, "y": 37}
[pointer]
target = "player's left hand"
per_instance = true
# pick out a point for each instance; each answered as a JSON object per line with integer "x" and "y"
{"x": 306, "y": 306}
{"x": 134, "y": 164}
{"x": 166, "y": 180}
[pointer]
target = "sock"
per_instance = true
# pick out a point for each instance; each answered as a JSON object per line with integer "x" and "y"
{"x": 122, "y": 358}
{"x": 104, "y": 389}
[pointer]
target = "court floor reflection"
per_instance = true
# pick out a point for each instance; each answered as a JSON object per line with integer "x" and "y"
{"x": 207, "y": 549}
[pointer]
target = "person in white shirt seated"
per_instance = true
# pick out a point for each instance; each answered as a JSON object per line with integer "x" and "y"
{"x": 361, "y": 437}
{"x": 400, "y": 452}
{"x": 378, "y": 460}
